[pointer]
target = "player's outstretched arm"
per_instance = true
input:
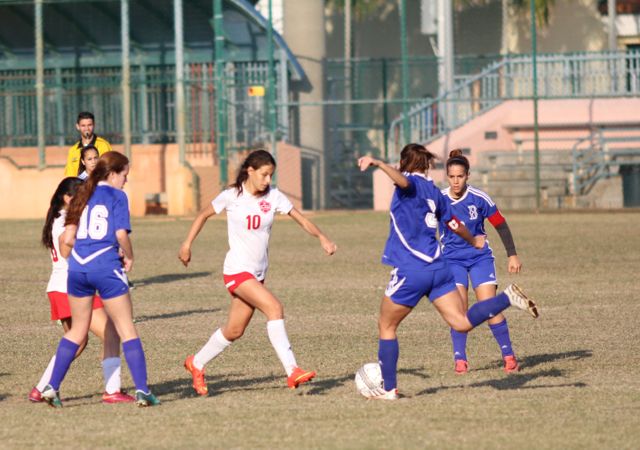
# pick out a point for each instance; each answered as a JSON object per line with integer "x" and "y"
{"x": 396, "y": 176}
{"x": 327, "y": 245}
{"x": 67, "y": 239}
{"x": 458, "y": 228}
{"x": 184, "y": 254}
{"x": 126, "y": 248}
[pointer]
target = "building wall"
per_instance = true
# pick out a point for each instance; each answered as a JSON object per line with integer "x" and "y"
{"x": 155, "y": 169}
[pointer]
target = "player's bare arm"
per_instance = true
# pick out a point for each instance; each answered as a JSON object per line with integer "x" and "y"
{"x": 67, "y": 239}
{"x": 327, "y": 245}
{"x": 458, "y": 228}
{"x": 184, "y": 255}
{"x": 127, "y": 249}
{"x": 396, "y": 176}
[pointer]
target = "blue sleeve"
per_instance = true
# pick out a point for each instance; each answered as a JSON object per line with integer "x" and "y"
{"x": 409, "y": 191}
{"x": 487, "y": 207}
{"x": 121, "y": 219}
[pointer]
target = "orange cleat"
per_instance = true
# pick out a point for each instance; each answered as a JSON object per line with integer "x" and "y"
{"x": 511, "y": 364}
{"x": 198, "y": 376}
{"x": 462, "y": 366}
{"x": 298, "y": 377}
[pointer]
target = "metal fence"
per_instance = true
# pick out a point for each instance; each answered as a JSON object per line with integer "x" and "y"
{"x": 69, "y": 91}
{"x": 579, "y": 75}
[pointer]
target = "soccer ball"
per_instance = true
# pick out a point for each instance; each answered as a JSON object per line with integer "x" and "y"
{"x": 369, "y": 379}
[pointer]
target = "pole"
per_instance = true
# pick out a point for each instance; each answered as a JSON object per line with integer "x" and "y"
{"x": 271, "y": 86}
{"x": 40, "y": 84}
{"x": 347, "y": 70}
{"x": 405, "y": 72}
{"x": 179, "y": 47}
{"x": 221, "y": 135}
{"x": 126, "y": 76}
{"x": 534, "y": 64}
{"x": 613, "y": 32}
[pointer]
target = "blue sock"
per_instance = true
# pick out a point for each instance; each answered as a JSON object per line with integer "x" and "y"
{"x": 134, "y": 355}
{"x": 388, "y": 352}
{"x": 487, "y": 309}
{"x": 501, "y": 333}
{"x": 64, "y": 357}
{"x": 459, "y": 341}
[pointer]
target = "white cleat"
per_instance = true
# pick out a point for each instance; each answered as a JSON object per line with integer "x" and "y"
{"x": 381, "y": 394}
{"x": 518, "y": 299}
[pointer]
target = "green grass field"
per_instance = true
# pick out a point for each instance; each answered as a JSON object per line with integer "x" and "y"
{"x": 579, "y": 386}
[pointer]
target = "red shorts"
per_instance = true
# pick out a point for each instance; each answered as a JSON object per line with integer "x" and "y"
{"x": 60, "y": 305}
{"x": 232, "y": 282}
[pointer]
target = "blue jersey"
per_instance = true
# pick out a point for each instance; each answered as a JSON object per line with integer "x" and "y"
{"x": 96, "y": 247}
{"x": 415, "y": 212}
{"x": 471, "y": 209}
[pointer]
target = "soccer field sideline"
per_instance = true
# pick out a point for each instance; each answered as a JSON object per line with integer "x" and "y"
{"x": 578, "y": 387}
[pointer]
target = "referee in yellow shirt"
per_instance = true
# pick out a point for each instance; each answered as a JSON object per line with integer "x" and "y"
{"x": 84, "y": 125}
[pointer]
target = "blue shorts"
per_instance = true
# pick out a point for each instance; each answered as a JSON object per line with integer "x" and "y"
{"x": 407, "y": 287}
{"x": 109, "y": 285}
{"x": 482, "y": 271}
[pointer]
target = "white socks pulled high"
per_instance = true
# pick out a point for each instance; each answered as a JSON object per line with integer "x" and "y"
{"x": 216, "y": 344}
{"x": 280, "y": 341}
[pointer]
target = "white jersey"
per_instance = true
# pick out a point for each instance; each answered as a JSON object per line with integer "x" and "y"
{"x": 249, "y": 221}
{"x": 58, "y": 278}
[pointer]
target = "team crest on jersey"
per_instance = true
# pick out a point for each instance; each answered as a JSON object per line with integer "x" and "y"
{"x": 265, "y": 206}
{"x": 473, "y": 212}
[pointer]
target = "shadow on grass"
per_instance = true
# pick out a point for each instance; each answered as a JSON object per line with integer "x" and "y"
{"x": 513, "y": 381}
{"x": 217, "y": 386}
{"x": 169, "y": 278}
{"x": 536, "y": 360}
{"x": 173, "y": 315}
{"x": 3, "y": 397}
{"x": 321, "y": 386}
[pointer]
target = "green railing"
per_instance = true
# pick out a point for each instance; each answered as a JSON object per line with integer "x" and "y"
{"x": 577, "y": 75}
{"x": 70, "y": 90}
{"x": 598, "y": 156}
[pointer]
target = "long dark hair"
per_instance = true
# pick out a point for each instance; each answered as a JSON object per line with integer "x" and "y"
{"x": 255, "y": 160}
{"x": 68, "y": 186}
{"x": 81, "y": 167}
{"x": 456, "y": 158}
{"x": 109, "y": 162}
{"x": 415, "y": 158}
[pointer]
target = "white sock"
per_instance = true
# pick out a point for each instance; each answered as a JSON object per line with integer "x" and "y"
{"x": 280, "y": 342}
{"x": 214, "y": 346}
{"x": 111, "y": 369}
{"x": 46, "y": 376}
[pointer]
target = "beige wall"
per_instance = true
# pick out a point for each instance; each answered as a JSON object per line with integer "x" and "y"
{"x": 574, "y": 25}
{"x": 155, "y": 169}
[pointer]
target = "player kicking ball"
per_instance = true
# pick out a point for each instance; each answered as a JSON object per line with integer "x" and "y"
{"x": 418, "y": 267}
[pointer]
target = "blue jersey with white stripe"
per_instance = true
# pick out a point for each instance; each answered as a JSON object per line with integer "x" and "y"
{"x": 471, "y": 209}
{"x": 415, "y": 212}
{"x": 96, "y": 247}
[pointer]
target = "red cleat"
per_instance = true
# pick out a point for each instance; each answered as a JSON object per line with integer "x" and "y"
{"x": 117, "y": 397}
{"x": 198, "y": 376}
{"x": 35, "y": 395}
{"x": 511, "y": 364}
{"x": 462, "y": 366}
{"x": 298, "y": 377}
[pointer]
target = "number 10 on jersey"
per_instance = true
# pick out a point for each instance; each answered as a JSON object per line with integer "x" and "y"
{"x": 253, "y": 222}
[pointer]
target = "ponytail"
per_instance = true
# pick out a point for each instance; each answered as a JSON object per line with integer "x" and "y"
{"x": 456, "y": 158}
{"x": 68, "y": 186}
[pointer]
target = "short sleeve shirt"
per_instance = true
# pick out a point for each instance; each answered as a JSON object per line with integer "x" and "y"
{"x": 249, "y": 221}
{"x": 59, "y": 266}
{"x": 96, "y": 247}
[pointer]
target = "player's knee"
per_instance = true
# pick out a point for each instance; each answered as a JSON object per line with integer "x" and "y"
{"x": 461, "y": 326}
{"x": 231, "y": 333}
